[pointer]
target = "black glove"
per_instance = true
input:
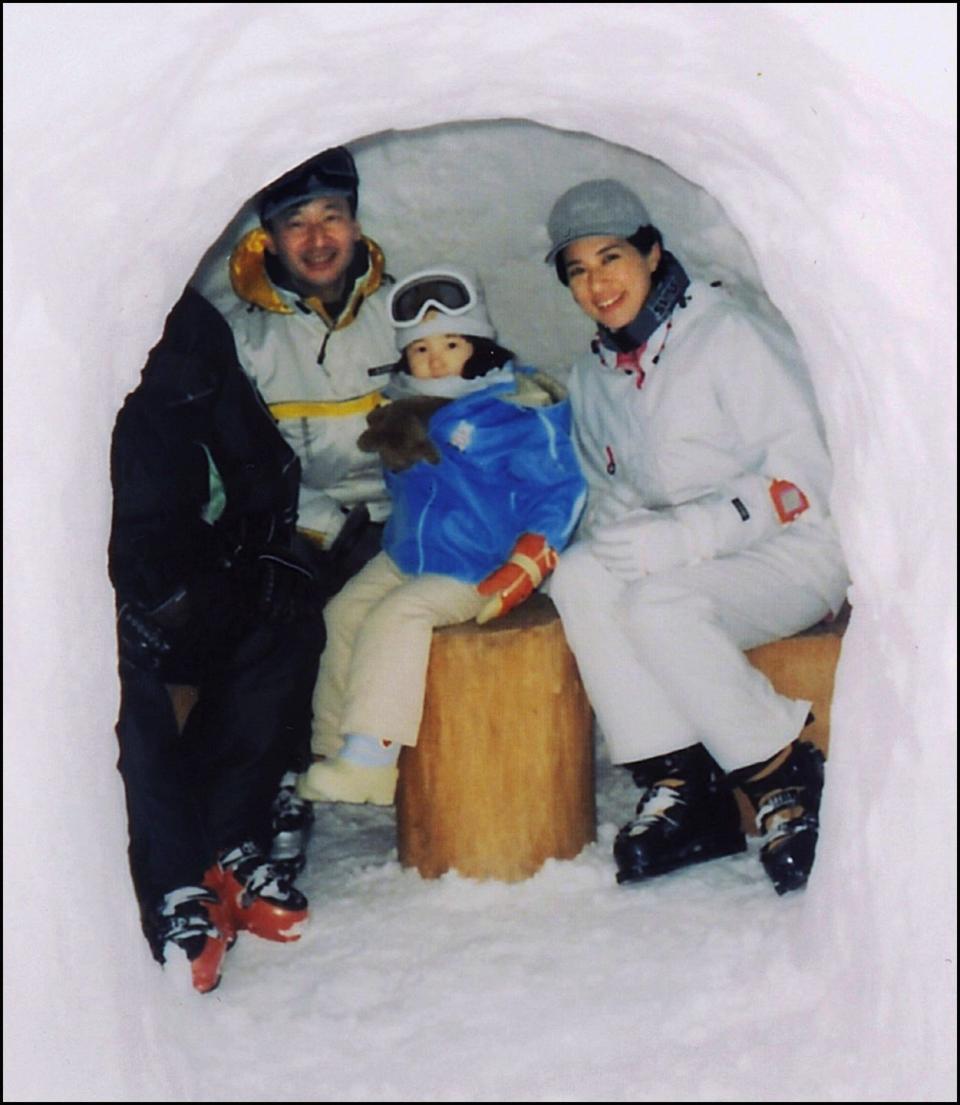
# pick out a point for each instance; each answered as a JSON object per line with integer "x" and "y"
{"x": 286, "y": 585}
{"x": 351, "y": 533}
{"x": 147, "y": 633}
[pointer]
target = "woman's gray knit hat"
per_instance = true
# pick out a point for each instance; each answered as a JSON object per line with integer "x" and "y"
{"x": 592, "y": 209}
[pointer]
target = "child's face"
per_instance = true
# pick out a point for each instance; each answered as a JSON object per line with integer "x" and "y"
{"x": 438, "y": 355}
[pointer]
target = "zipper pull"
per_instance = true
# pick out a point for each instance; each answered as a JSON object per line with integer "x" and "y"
{"x": 611, "y": 462}
{"x": 323, "y": 348}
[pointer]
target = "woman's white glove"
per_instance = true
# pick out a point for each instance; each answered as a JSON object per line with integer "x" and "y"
{"x": 641, "y": 543}
{"x": 745, "y": 513}
{"x": 604, "y": 509}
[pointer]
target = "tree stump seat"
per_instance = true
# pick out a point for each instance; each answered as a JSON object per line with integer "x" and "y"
{"x": 502, "y": 776}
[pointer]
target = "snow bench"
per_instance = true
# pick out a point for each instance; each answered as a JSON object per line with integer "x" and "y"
{"x": 502, "y": 777}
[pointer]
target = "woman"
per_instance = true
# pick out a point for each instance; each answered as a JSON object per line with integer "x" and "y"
{"x": 708, "y": 533}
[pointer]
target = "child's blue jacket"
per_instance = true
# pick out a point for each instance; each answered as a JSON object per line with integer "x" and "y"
{"x": 505, "y": 470}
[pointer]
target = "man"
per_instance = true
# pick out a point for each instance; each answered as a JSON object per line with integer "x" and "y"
{"x": 312, "y": 331}
{"x": 212, "y": 595}
{"x": 310, "y": 327}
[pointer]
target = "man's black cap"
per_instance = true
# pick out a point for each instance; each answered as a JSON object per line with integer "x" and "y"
{"x": 331, "y": 173}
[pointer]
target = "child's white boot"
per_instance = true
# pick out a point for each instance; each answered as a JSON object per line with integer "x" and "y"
{"x": 366, "y": 771}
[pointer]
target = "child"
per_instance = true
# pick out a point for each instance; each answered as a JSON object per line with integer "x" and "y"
{"x": 485, "y": 487}
{"x": 708, "y": 533}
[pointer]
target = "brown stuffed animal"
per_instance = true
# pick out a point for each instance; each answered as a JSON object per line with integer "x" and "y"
{"x": 398, "y": 432}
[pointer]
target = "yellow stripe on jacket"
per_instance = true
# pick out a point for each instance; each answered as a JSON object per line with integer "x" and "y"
{"x": 343, "y": 408}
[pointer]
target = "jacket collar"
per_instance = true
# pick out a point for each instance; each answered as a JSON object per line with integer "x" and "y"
{"x": 251, "y": 282}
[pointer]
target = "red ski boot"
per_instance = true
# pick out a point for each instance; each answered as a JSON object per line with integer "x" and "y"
{"x": 260, "y": 895}
{"x": 220, "y": 912}
{"x": 188, "y": 919}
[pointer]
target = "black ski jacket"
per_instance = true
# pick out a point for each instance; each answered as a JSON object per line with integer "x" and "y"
{"x": 202, "y": 479}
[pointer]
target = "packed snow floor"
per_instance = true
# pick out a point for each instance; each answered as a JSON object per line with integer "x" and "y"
{"x": 565, "y": 987}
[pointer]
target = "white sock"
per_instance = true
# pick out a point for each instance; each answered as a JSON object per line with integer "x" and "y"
{"x": 369, "y": 751}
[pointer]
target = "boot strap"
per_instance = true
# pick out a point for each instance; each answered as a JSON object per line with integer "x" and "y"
{"x": 654, "y": 806}
{"x": 773, "y": 823}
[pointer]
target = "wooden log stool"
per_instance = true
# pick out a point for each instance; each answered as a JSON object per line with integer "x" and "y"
{"x": 502, "y": 776}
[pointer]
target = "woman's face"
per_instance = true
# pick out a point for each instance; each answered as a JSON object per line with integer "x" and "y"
{"x": 609, "y": 278}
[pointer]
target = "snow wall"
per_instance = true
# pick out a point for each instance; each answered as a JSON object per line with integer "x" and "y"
{"x": 824, "y": 133}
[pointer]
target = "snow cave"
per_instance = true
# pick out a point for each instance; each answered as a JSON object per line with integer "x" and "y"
{"x": 805, "y": 155}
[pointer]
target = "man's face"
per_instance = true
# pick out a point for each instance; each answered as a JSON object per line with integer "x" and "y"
{"x": 315, "y": 242}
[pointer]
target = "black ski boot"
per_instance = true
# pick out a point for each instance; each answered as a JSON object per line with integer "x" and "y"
{"x": 687, "y": 814}
{"x": 787, "y": 802}
{"x": 292, "y": 822}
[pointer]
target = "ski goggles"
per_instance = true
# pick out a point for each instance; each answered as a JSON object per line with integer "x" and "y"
{"x": 447, "y": 292}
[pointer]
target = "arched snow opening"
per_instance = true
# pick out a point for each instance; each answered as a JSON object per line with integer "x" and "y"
{"x": 135, "y": 129}
{"x": 478, "y": 193}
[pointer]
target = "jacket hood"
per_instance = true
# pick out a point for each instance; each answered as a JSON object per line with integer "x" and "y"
{"x": 189, "y": 363}
{"x": 250, "y": 281}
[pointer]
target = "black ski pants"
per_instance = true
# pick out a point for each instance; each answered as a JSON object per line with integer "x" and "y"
{"x": 191, "y": 795}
